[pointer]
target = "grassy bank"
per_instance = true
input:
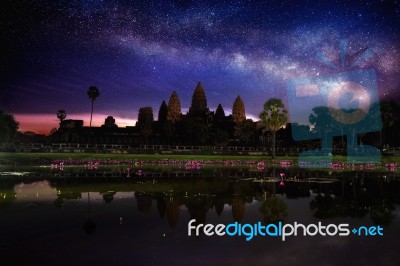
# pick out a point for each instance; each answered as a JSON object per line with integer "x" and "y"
{"x": 7, "y": 158}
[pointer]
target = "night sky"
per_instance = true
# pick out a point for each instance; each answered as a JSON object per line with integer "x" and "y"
{"x": 138, "y": 53}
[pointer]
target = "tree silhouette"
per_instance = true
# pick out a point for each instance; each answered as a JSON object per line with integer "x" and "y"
{"x": 273, "y": 209}
{"x": 324, "y": 126}
{"x": 328, "y": 122}
{"x": 54, "y": 134}
{"x": 8, "y": 127}
{"x": 390, "y": 112}
{"x": 328, "y": 207}
{"x": 381, "y": 213}
{"x": 53, "y": 131}
{"x": 93, "y": 93}
{"x": 274, "y": 116}
{"x": 61, "y": 115}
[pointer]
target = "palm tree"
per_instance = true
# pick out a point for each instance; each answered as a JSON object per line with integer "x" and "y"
{"x": 61, "y": 114}
{"x": 273, "y": 209}
{"x": 274, "y": 116}
{"x": 93, "y": 93}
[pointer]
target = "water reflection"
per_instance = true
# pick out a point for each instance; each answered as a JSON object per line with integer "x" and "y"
{"x": 273, "y": 209}
{"x": 350, "y": 195}
{"x": 151, "y": 212}
{"x": 89, "y": 225}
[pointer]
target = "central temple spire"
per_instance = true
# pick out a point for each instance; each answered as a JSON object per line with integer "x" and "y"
{"x": 199, "y": 101}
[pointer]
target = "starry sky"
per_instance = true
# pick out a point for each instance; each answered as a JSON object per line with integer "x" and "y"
{"x": 137, "y": 53}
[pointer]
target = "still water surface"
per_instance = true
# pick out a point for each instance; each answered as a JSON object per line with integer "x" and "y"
{"x": 82, "y": 216}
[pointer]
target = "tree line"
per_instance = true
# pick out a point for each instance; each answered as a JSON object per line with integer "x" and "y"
{"x": 200, "y": 126}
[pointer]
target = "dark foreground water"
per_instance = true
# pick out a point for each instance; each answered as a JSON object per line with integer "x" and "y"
{"x": 85, "y": 217}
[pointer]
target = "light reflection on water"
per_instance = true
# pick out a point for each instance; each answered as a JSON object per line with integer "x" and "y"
{"x": 36, "y": 191}
{"x": 72, "y": 221}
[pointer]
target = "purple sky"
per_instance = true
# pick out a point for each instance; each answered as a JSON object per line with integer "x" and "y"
{"x": 138, "y": 53}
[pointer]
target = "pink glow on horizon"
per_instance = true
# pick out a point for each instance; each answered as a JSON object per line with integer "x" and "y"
{"x": 43, "y": 123}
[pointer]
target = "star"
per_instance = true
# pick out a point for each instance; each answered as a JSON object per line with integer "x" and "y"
{"x": 138, "y": 52}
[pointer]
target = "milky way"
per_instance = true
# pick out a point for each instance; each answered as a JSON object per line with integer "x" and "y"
{"x": 138, "y": 53}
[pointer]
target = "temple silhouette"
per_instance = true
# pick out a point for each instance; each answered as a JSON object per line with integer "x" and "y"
{"x": 199, "y": 126}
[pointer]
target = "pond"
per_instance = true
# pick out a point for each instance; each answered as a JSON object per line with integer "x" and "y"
{"x": 129, "y": 213}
